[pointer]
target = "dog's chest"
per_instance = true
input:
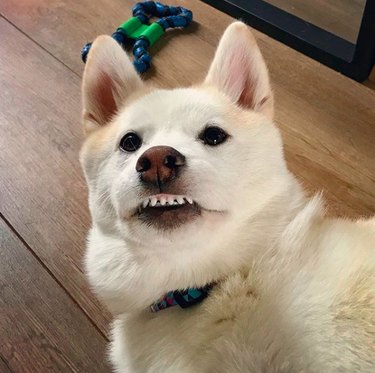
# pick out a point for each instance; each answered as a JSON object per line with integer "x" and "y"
{"x": 191, "y": 339}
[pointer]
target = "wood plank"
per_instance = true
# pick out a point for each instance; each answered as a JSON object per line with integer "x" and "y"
{"x": 41, "y": 328}
{"x": 42, "y": 190}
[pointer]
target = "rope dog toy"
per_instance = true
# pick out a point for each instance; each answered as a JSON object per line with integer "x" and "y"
{"x": 137, "y": 31}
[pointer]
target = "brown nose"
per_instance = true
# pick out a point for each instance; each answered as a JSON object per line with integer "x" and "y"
{"x": 159, "y": 165}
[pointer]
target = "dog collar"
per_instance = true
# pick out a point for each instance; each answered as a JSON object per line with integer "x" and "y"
{"x": 183, "y": 298}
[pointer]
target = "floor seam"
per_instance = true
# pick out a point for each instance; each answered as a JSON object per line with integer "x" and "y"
{"x": 2, "y": 358}
{"x": 45, "y": 267}
{"x": 39, "y": 45}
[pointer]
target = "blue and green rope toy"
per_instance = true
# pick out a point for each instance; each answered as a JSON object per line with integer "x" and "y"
{"x": 140, "y": 34}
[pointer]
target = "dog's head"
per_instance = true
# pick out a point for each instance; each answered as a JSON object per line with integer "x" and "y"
{"x": 183, "y": 165}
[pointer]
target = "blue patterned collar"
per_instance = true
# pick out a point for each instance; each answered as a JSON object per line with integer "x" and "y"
{"x": 183, "y": 298}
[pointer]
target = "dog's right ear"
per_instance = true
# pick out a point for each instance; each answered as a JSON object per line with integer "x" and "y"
{"x": 109, "y": 78}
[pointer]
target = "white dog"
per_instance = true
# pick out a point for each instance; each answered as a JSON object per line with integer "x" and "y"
{"x": 191, "y": 197}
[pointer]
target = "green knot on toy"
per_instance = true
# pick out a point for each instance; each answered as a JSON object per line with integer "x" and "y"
{"x": 138, "y": 33}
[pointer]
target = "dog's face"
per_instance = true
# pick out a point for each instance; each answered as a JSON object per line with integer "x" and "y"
{"x": 183, "y": 164}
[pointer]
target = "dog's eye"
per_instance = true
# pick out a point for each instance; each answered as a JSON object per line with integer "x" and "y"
{"x": 130, "y": 142}
{"x": 213, "y": 136}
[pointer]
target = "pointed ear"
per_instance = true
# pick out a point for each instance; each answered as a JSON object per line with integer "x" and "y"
{"x": 109, "y": 78}
{"x": 239, "y": 71}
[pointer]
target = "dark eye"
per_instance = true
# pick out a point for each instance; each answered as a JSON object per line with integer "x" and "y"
{"x": 213, "y": 136}
{"x": 130, "y": 142}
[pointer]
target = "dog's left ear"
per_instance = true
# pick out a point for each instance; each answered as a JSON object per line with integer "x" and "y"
{"x": 239, "y": 71}
{"x": 109, "y": 78}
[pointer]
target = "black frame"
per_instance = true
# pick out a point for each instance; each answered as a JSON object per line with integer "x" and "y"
{"x": 353, "y": 60}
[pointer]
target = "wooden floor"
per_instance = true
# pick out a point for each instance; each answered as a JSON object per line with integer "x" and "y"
{"x": 49, "y": 320}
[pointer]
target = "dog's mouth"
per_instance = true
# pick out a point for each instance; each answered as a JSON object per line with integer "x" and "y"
{"x": 168, "y": 211}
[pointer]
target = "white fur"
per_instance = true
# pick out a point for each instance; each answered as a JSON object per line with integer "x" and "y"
{"x": 295, "y": 290}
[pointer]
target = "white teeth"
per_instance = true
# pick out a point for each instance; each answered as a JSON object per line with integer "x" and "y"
{"x": 145, "y": 203}
{"x": 163, "y": 201}
{"x": 169, "y": 200}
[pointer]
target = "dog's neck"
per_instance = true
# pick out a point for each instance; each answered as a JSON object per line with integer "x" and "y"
{"x": 254, "y": 237}
{"x": 265, "y": 228}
